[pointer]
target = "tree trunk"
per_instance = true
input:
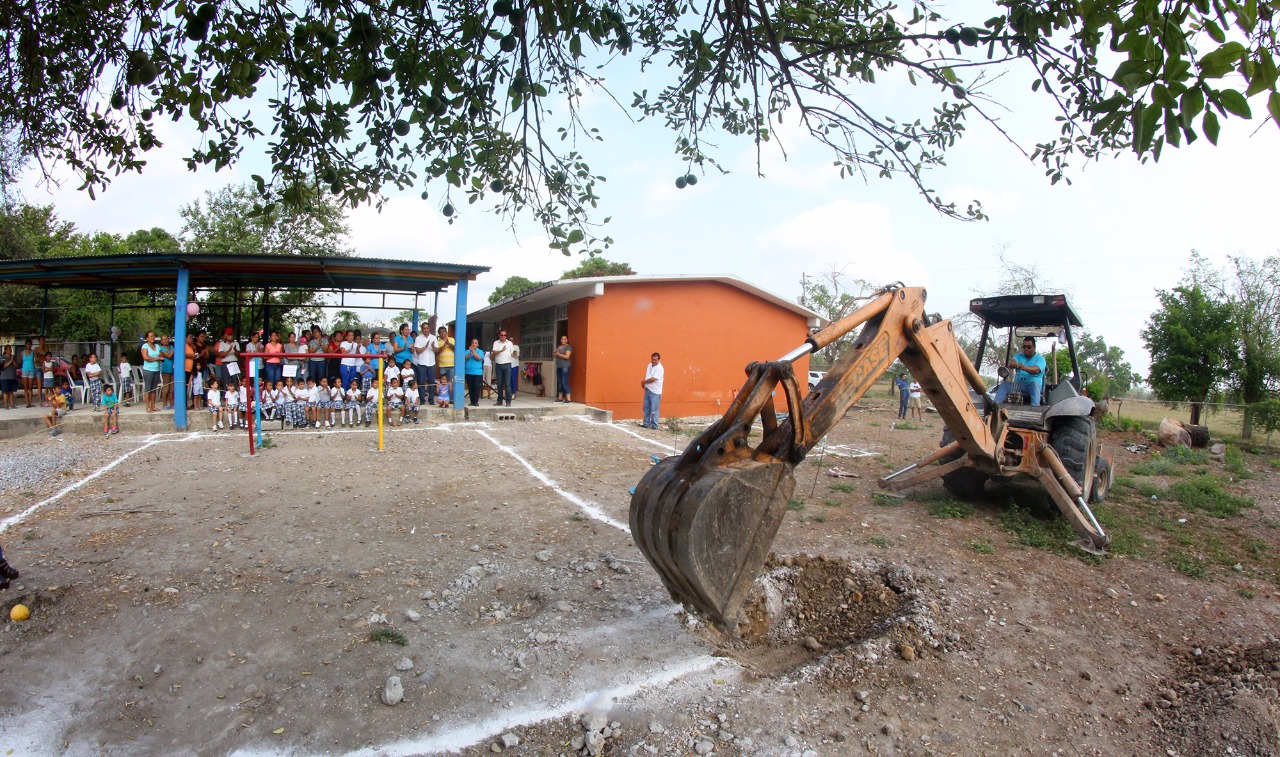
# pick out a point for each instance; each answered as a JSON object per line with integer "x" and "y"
{"x": 1199, "y": 435}
{"x": 1195, "y": 413}
{"x": 1246, "y": 426}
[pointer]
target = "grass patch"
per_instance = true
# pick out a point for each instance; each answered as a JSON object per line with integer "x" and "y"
{"x": 982, "y": 547}
{"x": 796, "y": 504}
{"x": 1248, "y": 593}
{"x": 1184, "y": 455}
{"x": 831, "y": 503}
{"x": 885, "y": 500}
{"x": 1157, "y": 466}
{"x": 1187, "y": 564}
{"x": 1127, "y": 482}
{"x": 1050, "y": 533}
{"x": 578, "y": 517}
{"x": 907, "y": 426}
{"x": 1233, "y": 461}
{"x": 879, "y": 541}
{"x": 846, "y": 488}
{"x": 1203, "y": 493}
{"x": 950, "y": 508}
{"x": 816, "y": 518}
{"x": 1274, "y": 462}
{"x": 389, "y": 635}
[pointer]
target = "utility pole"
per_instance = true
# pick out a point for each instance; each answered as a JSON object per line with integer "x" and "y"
{"x": 804, "y": 287}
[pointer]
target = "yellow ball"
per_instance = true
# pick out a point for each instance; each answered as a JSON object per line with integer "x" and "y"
{"x": 19, "y": 613}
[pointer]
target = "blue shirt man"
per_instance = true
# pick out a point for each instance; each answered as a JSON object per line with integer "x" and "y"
{"x": 904, "y": 387}
{"x": 1028, "y": 367}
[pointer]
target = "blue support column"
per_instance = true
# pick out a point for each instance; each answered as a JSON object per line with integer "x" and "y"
{"x": 460, "y": 346}
{"x": 180, "y": 350}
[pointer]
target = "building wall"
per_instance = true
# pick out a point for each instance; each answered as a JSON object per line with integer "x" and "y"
{"x": 707, "y": 333}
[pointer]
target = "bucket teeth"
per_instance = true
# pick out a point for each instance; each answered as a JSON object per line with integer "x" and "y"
{"x": 707, "y": 533}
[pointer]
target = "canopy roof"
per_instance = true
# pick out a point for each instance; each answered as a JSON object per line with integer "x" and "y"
{"x": 159, "y": 271}
{"x": 1025, "y": 310}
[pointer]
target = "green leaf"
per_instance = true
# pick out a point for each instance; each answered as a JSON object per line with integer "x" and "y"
{"x": 1273, "y": 107}
{"x": 1192, "y": 102}
{"x": 1215, "y": 32}
{"x": 1234, "y": 103}
{"x": 1138, "y": 136}
{"x": 576, "y": 236}
{"x": 1210, "y": 126}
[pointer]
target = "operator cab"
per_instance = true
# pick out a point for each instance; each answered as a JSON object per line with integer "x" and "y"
{"x": 1005, "y": 321}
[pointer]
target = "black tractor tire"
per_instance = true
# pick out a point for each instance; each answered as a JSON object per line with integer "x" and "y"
{"x": 965, "y": 483}
{"x": 1070, "y": 438}
{"x": 1101, "y": 480}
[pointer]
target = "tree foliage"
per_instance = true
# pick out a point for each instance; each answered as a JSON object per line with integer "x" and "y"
{"x": 1110, "y": 375}
{"x": 597, "y": 266}
{"x": 225, "y": 223}
{"x": 483, "y": 100}
{"x": 833, "y": 295}
{"x": 514, "y": 286}
{"x": 1192, "y": 342}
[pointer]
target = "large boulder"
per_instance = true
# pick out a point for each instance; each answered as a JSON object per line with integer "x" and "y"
{"x": 1175, "y": 432}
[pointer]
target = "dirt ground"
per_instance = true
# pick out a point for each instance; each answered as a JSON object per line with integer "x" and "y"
{"x": 193, "y": 600}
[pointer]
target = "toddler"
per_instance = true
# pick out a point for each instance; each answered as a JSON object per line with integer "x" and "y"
{"x": 111, "y": 411}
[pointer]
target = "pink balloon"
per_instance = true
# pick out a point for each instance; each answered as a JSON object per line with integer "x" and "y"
{"x": 193, "y": 309}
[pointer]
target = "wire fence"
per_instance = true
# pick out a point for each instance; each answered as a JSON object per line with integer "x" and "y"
{"x": 1223, "y": 418}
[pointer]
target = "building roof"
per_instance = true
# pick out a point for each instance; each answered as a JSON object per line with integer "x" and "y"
{"x": 555, "y": 293}
{"x": 159, "y": 271}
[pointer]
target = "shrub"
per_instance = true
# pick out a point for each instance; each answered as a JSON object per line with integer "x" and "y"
{"x": 1204, "y": 493}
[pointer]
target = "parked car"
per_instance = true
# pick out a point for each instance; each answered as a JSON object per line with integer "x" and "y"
{"x": 815, "y": 377}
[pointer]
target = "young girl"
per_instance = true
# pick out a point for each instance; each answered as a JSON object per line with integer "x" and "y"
{"x": 302, "y": 405}
{"x": 197, "y": 389}
{"x": 288, "y": 408}
{"x": 111, "y": 411}
{"x": 126, "y": 381}
{"x": 231, "y": 403}
{"x": 266, "y": 401}
{"x": 46, "y": 372}
{"x": 351, "y": 409}
{"x": 395, "y": 403}
{"x": 442, "y": 393}
{"x": 406, "y": 373}
{"x": 324, "y": 403}
{"x": 93, "y": 374}
{"x": 244, "y": 406}
{"x": 411, "y": 400}
{"x": 214, "y": 401}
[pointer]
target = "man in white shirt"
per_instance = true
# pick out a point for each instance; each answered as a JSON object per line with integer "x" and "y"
{"x": 228, "y": 351}
{"x": 502, "y": 358}
{"x": 652, "y": 391}
{"x": 347, "y": 368}
{"x": 424, "y": 362}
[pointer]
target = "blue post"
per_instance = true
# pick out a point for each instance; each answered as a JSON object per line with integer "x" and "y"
{"x": 180, "y": 351}
{"x": 257, "y": 402}
{"x": 460, "y": 345}
{"x": 415, "y": 320}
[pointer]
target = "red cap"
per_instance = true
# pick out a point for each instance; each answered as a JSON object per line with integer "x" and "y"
{"x": 228, "y": 331}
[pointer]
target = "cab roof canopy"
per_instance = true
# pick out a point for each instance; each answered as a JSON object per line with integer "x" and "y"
{"x": 1025, "y": 310}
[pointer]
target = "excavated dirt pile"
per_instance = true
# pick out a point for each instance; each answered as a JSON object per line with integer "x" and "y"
{"x": 1227, "y": 703}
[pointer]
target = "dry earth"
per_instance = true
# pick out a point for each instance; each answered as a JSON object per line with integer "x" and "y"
{"x": 193, "y": 600}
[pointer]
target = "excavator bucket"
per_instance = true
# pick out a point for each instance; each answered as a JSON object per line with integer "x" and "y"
{"x": 707, "y": 530}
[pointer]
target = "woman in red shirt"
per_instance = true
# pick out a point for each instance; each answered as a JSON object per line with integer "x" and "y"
{"x": 273, "y": 370}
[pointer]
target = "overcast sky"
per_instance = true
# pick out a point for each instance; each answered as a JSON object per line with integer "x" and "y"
{"x": 1120, "y": 232}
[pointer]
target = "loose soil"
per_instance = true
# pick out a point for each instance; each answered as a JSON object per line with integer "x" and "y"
{"x": 194, "y": 600}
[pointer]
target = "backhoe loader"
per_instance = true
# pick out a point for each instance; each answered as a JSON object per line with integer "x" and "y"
{"x": 706, "y": 518}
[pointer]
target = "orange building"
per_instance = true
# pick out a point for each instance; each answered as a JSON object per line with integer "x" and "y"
{"x": 707, "y": 329}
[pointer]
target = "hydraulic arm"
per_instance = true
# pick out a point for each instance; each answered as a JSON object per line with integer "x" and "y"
{"x": 706, "y": 518}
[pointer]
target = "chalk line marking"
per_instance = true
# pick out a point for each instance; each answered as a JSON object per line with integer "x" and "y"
{"x": 626, "y": 430}
{"x": 463, "y": 735}
{"x": 14, "y": 520}
{"x": 589, "y": 508}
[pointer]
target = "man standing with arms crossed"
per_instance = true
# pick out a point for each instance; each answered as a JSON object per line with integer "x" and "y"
{"x": 502, "y": 357}
{"x": 652, "y": 385}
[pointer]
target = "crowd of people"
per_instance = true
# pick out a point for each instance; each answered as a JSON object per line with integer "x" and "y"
{"x": 307, "y": 380}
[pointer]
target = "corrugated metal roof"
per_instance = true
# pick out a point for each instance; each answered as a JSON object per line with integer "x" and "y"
{"x": 212, "y": 271}
{"x": 565, "y": 290}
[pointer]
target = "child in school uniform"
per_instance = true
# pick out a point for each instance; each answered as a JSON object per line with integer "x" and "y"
{"x": 110, "y": 411}
{"x": 411, "y": 401}
{"x": 442, "y": 393}
{"x": 301, "y": 405}
{"x": 213, "y": 399}
{"x": 369, "y": 408}
{"x": 310, "y": 397}
{"x": 231, "y": 404}
{"x": 366, "y": 374}
{"x": 351, "y": 409}
{"x": 93, "y": 375}
{"x": 266, "y": 401}
{"x": 395, "y": 402}
{"x": 406, "y": 373}
{"x": 126, "y": 381}
{"x": 47, "y": 374}
{"x": 244, "y": 405}
{"x": 197, "y": 389}
{"x": 324, "y": 403}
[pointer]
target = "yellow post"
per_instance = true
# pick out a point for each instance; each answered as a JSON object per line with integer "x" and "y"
{"x": 381, "y": 369}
